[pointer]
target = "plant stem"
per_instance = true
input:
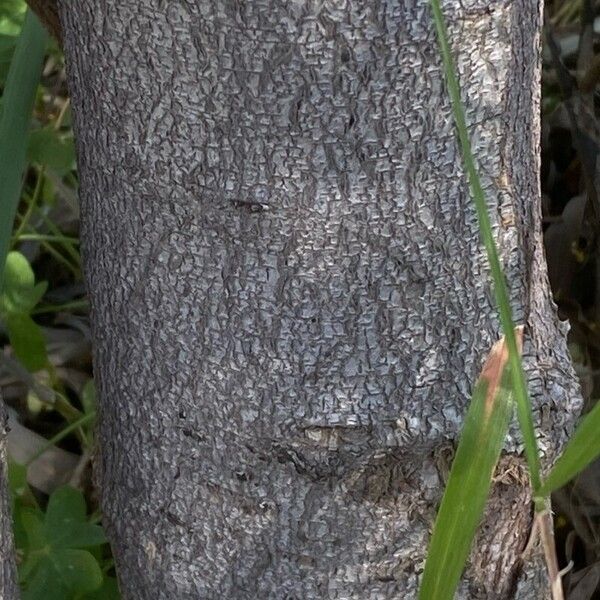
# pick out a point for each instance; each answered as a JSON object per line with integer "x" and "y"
{"x": 30, "y": 206}
{"x": 61, "y": 435}
{"x": 39, "y": 237}
{"x": 49, "y": 308}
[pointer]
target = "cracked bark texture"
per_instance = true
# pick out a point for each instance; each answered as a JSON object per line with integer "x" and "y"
{"x": 290, "y": 299}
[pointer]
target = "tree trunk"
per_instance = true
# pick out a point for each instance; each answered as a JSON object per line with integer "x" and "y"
{"x": 8, "y": 574}
{"x": 289, "y": 295}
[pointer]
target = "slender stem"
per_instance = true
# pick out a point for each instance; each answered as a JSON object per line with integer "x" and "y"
{"x": 32, "y": 205}
{"x": 546, "y": 529}
{"x": 68, "y": 246}
{"x": 60, "y": 258}
{"x": 108, "y": 565}
{"x": 62, "y": 406}
{"x": 32, "y": 202}
{"x": 524, "y": 412}
{"x": 61, "y": 114}
{"x": 49, "y": 308}
{"x": 39, "y": 237}
{"x": 61, "y": 435}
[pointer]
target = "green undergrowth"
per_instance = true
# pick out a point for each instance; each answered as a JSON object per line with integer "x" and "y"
{"x": 45, "y": 366}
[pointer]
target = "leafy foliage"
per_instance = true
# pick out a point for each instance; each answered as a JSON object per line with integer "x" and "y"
{"x": 62, "y": 552}
{"x": 17, "y": 103}
{"x": 19, "y": 297}
{"x": 49, "y": 147}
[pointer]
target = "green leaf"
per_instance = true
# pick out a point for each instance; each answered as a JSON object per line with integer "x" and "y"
{"x": 11, "y": 16}
{"x": 33, "y": 524}
{"x": 66, "y": 524}
{"x": 27, "y": 341}
{"x": 21, "y": 497}
{"x": 18, "y": 272}
{"x": 7, "y": 49}
{"x": 108, "y": 591}
{"x": 19, "y": 533}
{"x": 17, "y": 478}
{"x": 88, "y": 397}
{"x": 470, "y": 477}
{"x": 61, "y": 574}
{"x": 77, "y": 570}
{"x": 580, "y": 451}
{"x": 48, "y": 147}
{"x": 17, "y": 105}
{"x": 52, "y": 550}
{"x": 65, "y": 503}
{"x": 44, "y": 584}
{"x": 21, "y": 294}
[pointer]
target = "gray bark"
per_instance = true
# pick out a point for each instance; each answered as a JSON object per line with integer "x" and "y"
{"x": 9, "y": 589}
{"x": 289, "y": 295}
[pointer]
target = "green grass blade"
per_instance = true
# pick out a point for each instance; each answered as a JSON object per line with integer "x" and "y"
{"x": 470, "y": 477}
{"x": 580, "y": 451}
{"x": 518, "y": 377}
{"x": 17, "y": 105}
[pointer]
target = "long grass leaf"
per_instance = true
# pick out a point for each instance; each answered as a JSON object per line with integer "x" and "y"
{"x": 580, "y": 451}
{"x": 17, "y": 105}
{"x": 470, "y": 477}
{"x": 502, "y": 299}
